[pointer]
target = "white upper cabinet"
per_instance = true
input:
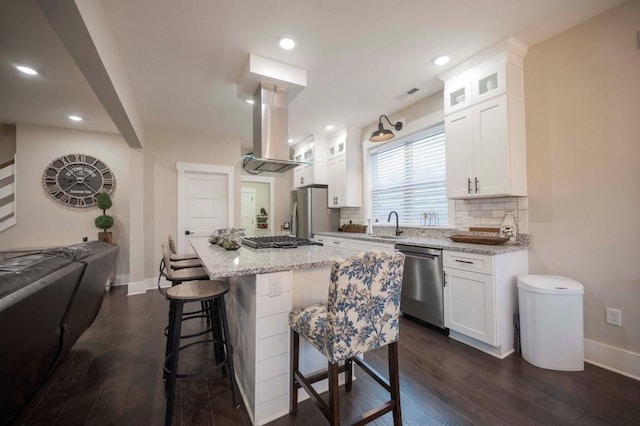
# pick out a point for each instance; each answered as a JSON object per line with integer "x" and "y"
{"x": 312, "y": 150}
{"x": 485, "y": 124}
{"x": 345, "y": 169}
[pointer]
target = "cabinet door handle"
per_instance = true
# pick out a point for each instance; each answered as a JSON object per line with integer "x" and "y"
{"x": 464, "y": 261}
{"x": 444, "y": 281}
{"x": 476, "y": 185}
{"x": 469, "y": 186}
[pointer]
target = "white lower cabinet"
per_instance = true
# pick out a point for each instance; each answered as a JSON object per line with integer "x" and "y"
{"x": 388, "y": 248}
{"x": 357, "y": 246}
{"x": 469, "y": 304}
{"x": 335, "y": 242}
{"x": 480, "y": 298}
{"x": 354, "y": 245}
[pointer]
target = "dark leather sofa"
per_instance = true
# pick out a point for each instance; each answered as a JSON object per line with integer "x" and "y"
{"x": 47, "y": 300}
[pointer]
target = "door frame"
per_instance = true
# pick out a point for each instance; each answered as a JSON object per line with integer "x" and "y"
{"x": 183, "y": 168}
{"x": 271, "y": 181}
{"x": 251, "y": 191}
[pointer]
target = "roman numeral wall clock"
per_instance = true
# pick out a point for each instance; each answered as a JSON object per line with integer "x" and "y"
{"x": 76, "y": 179}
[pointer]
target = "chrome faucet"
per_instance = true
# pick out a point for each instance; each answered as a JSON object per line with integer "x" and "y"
{"x": 398, "y": 232}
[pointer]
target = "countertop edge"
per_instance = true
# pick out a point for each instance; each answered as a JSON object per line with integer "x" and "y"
{"x": 438, "y": 243}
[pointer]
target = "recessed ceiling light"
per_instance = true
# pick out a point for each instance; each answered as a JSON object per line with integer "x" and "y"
{"x": 26, "y": 70}
{"x": 441, "y": 60}
{"x": 287, "y": 43}
{"x": 75, "y": 118}
{"x": 329, "y": 127}
{"x": 249, "y": 101}
{"x": 290, "y": 141}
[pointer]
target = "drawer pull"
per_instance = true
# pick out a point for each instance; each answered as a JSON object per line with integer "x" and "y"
{"x": 465, "y": 261}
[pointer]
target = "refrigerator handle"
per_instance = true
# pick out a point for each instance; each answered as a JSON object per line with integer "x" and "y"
{"x": 294, "y": 219}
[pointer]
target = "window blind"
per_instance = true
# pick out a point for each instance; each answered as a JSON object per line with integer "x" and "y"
{"x": 409, "y": 177}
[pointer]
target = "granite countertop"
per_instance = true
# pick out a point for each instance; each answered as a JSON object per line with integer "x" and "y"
{"x": 221, "y": 263}
{"x": 438, "y": 243}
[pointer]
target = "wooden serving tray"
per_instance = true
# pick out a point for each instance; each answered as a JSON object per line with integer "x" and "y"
{"x": 479, "y": 239}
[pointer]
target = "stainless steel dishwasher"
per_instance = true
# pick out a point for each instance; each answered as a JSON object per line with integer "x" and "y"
{"x": 422, "y": 284}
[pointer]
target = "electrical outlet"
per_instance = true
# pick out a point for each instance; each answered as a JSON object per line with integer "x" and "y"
{"x": 274, "y": 287}
{"x": 614, "y": 317}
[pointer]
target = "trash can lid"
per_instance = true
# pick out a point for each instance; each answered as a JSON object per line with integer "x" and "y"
{"x": 549, "y": 284}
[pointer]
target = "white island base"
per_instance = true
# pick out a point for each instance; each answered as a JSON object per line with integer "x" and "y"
{"x": 258, "y": 311}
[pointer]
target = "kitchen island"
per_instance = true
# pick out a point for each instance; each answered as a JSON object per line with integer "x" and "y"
{"x": 266, "y": 284}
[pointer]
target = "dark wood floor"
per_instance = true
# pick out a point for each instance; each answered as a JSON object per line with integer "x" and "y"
{"x": 113, "y": 377}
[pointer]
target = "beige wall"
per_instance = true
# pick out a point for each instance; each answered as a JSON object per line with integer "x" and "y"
{"x": 41, "y": 221}
{"x": 583, "y": 158}
{"x": 163, "y": 149}
{"x": 7, "y": 142}
{"x": 432, "y": 104}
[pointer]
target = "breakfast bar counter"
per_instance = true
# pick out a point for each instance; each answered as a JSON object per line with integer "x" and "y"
{"x": 265, "y": 285}
{"x": 221, "y": 263}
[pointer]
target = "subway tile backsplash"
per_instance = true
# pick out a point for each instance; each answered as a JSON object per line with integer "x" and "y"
{"x": 490, "y": 212}
{"x": 477, "y": 212}
{"x": 353, "y": 214}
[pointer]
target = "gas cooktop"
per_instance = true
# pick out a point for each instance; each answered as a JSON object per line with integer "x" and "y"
{"x": 278, "y": 241}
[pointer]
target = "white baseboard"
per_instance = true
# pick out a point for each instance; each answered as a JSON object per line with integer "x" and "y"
{"x": 611, "y": 358}
{"x": 142, "y": 287}
{"x": 139, "y": 287}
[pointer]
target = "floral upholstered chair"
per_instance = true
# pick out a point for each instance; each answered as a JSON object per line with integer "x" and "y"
{"x": 361, "y": 314}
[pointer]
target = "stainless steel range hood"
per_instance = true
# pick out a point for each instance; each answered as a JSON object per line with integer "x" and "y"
{"x": 270, "y": 132}
{"x": 271, "y": 85}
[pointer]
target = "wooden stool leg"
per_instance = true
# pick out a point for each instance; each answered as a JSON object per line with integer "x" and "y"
{"x": 294, "y": 385}
{"x": 174, "y": 332}
{"x": 394, "y": 382}
{"x": 334, "y": 403}
{"x": 167, "y": 350}
{"x": 348, "y": 375}
{"x": 222, "y": 314}
{"x": 216, "y": 328}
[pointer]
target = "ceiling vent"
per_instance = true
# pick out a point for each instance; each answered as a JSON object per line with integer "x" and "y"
{"x": 405, "y": 95}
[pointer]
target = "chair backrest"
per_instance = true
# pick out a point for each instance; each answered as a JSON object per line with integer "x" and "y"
{"x": 172, "y": 244}
{"x": 166, "y": 256}
{"x": 363, "y": 307}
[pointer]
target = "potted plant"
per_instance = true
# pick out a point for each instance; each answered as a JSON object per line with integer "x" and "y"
{"x": 104, "y": 221}
{"x": 354, "y": 227}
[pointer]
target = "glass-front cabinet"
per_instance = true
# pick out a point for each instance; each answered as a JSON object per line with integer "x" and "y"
{"x": 457, "y": 93}
{"x": 338, "y": 146}
{"x": 312, "y": 150}
{"x": 488, "y": 80}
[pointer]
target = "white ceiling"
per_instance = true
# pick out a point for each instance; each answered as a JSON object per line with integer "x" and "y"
{"x": 183, "y": 58}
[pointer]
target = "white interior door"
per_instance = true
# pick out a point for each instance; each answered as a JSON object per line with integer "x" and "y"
{"x": 248, "y": 211}
{"x": 205, "y": 202}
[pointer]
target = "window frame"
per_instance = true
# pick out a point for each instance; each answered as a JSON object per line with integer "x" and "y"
{"x": 410, "y": 131}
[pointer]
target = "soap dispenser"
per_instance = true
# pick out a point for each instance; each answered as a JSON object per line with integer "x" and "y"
{"x": 508, "y": 227}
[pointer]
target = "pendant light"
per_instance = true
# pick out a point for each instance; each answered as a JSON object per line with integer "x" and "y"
{"x": 383, "y": 134}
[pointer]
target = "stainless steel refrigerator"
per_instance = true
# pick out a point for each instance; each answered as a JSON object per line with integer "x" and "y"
{"x": 310, "y": 212}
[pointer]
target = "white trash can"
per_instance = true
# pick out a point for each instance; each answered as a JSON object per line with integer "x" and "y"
{"x": 551, "y": 322}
